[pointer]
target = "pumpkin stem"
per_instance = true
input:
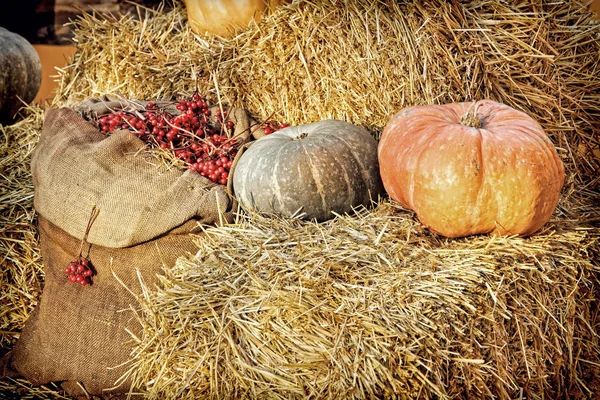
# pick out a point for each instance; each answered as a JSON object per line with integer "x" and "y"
{"x": 301, "y": 136}
{"x": 471, "y": 119}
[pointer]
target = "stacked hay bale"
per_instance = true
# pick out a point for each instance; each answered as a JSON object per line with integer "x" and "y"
{"x": 362, "y": 63}
{"x": 21, "y": 277}
{"x": 371, "y": 304}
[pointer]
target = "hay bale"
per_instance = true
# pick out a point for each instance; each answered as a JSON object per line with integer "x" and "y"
{"x": 21, "y": 276}
{"x": 361, "y": 62}
{"x": 370, "y": 304}
{"x": 21, "y": 273}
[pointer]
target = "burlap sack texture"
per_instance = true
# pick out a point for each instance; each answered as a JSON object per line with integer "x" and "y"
{"x": 82, "y": 335}
{"x": 76, "y": 167}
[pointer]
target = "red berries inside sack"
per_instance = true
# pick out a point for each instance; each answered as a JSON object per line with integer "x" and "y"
{"x": 204, "y": 147}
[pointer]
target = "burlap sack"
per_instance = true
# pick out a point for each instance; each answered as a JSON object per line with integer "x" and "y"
{"x": 80, "y": 335}
{"x": 75, "y": 167}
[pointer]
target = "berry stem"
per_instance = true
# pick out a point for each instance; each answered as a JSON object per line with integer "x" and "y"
{"x": 93, "y": 216}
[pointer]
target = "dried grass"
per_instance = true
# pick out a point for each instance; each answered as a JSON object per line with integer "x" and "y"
{"x": 22, "y": 389}
{"x": 362, "y": 61}
{"x": 21, "y": 275}
{"x": 371, "y": 304}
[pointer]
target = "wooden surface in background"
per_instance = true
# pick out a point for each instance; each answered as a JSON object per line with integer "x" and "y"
{"x": 52, "y": 57}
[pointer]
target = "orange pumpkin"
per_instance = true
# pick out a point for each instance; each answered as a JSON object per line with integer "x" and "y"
{"x": 470, "y": 168}
{"x": 222, "y": 17}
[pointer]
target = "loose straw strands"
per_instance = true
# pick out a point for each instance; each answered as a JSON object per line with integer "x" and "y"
{"x": 148, "y": 57}
{"x": 370, "y": 304}
{"x": 21, "y": 275}
{"x": 365, "y": 306}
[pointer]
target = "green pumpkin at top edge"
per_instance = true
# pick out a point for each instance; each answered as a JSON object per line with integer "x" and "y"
{"x": 20, "y": 74}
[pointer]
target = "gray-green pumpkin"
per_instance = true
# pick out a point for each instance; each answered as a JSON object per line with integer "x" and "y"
{"x": 313, "y": 169}
{"x": 20, "y": 74}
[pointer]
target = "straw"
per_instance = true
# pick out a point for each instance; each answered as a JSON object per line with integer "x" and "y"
{"x": 368, "y": 304}
{"x": 21, "y": 276}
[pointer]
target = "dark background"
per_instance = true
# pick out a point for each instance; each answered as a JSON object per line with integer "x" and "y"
{"x": 43, "y": 21}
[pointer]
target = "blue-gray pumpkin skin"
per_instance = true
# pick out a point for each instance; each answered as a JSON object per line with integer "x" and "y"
{"x": 315, "y": 169}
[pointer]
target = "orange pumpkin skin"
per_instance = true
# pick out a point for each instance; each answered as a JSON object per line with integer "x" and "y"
{"x": 503, "y": 177}
{"x": 223, "y": 17}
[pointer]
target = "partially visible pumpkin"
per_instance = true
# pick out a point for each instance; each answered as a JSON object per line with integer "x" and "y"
{"x": 315, "y": 169}
{"x": 20, "y": 74}
{"x": 223, "y": 17}
{"x": 471, "y": 168}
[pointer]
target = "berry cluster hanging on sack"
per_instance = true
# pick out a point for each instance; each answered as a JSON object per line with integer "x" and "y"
{"x": 80, "y": 270}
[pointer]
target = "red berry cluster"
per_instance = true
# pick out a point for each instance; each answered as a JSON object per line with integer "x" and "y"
{"x": 204, "y": 145}
{"x": 272, "y": 126}
{"x": 80, "y": 271}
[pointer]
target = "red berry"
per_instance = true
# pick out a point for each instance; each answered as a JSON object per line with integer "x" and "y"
{"x": 191, "y": 135}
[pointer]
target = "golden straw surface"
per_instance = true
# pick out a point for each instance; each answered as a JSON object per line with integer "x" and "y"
{"x": 369, "y": 304}
{"x": 362, "y": 61}
{"x": 21, "y": 273}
